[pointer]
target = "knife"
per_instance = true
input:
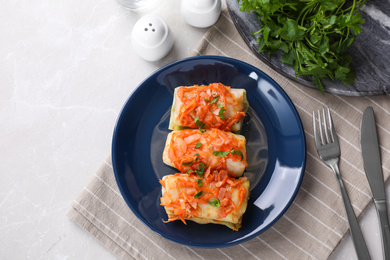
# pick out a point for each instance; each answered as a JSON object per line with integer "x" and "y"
{"x": 373, "y": 168}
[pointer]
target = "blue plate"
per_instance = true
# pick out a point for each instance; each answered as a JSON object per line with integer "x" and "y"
{"x": 275, "y": 146}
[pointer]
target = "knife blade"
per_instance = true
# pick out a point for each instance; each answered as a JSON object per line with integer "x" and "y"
{"x": 373, "y": 168}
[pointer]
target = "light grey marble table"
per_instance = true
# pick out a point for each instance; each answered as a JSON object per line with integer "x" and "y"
{"x": 67, "y": 68}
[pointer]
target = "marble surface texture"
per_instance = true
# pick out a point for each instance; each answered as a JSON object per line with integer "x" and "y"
{"x": 67, "y": 67}
{"x": 370, "y": 51}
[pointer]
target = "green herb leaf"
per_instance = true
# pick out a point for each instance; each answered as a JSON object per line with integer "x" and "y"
{"x": 198, "y": 194}
{"x": 221, "y": 111}
{"x": 324, "y": 46}
{"x": 215, "y": 203}
{"x": 200, "y": 182}
{"x": 199, "y": 124}
{"x": 288, "y": 58}
{"x": 238, "y": 152}
{"x": 220, "y": 153}
{"x": 214, "y": 100}
{"x": 198, "y": 145}
{"x": 266, "y": 30}
{"x": 200, "y": 170}
{"x": 291, "y": 31}
{"x": 187, "y": 163}
{"x": 329, "y": 5}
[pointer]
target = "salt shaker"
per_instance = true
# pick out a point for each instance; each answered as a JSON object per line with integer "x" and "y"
{"x": 201, "y": 13}
{"x": 151, "y": 38}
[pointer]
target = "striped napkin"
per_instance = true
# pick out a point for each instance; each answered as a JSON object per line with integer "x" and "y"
{"x": 313, "y": 225}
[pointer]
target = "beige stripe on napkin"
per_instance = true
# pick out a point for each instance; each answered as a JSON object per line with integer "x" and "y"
{"x": 316, "y": 220}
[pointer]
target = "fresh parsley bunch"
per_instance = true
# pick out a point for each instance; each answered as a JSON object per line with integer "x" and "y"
{"x": 313, "y": 34}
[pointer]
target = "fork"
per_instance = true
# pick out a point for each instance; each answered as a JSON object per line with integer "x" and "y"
{"x": 328, "y": 149}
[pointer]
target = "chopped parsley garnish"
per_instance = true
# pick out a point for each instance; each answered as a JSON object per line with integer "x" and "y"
{"x": 221, "y": 111}
{"x": 214, "y": 100}
{"x": 200, "y": 124}
{"x": 238, "y": 152}
{"x": 205, "y": 99}
{"x": 220, "y": 153}
{"x": 200, "y": 170}
{"x": 200, "y": 182}
{"x": 189, "y": 171}
{"x": 198, "y": 194}
{"x": 187, "y": 163}
{"x": 215, "y": 203}
{"x": 198, "y": 145}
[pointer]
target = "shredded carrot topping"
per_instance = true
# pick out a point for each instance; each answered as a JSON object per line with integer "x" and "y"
{"x": 190, "y": 149}
{"x": 215, "y": 190}
{"x": 202, "y": 156}
{"x": 206, "y": 102}
{"x": 162, "y": 183}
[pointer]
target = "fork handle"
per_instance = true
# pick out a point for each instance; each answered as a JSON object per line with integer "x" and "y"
{"x": 356, "y": 233}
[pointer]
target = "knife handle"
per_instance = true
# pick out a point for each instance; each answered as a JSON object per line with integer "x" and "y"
{"x": 381, "y": 209}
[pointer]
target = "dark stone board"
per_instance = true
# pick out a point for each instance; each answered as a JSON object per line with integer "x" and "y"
{"x": 370, "y": 51}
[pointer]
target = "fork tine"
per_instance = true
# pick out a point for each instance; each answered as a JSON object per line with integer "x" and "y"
{"x": 331, "y": 127}
{"x": 321, "y": 125}
{"x": 316, "y": 137}
{"x": 326, "y": 125}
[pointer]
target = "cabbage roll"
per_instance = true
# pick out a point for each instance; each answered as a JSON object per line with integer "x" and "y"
{"x": 194, "y": 150}
{"x": 212, "y": 106}
{"x": 213, "y": 198}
